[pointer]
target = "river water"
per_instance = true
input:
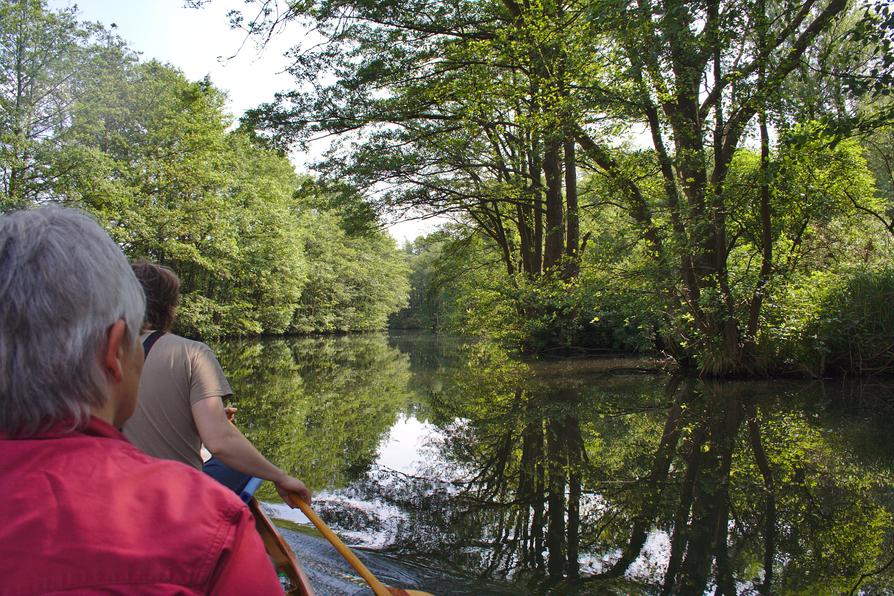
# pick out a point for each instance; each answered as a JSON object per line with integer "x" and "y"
{"x": 458, "y": 469}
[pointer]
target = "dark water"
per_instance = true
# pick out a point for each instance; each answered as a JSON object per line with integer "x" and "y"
{"x": 459, "y": 470}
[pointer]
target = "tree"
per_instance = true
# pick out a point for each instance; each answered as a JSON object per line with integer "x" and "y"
{"x": 879, "y": 149}
{"x": 490, "y": 109}
{"x": 149, "y": 154}
{"x": 355, "y": 283}
{"x": 703, "y": 74}
{"x": 40, "y": 54}
{"x": 459, "y": 130}
{"x": 158, "y": 168}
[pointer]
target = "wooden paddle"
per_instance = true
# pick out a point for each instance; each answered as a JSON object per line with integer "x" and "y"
{"x": 378, "y": 587}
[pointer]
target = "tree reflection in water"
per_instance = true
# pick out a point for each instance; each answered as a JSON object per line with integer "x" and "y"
{"x": 644, "y": 483}
{"x": 317, "y": 407}
{"x": 588, "y": 480}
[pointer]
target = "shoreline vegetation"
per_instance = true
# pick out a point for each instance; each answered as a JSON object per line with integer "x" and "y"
{"x": 647, "y": 363}
{"x": 622, "y": 181}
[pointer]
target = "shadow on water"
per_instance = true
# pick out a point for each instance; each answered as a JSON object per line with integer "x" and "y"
{"x": 468, "y": 472}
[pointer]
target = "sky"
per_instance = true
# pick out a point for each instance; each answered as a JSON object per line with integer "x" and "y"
{"x": 200, "y": 42}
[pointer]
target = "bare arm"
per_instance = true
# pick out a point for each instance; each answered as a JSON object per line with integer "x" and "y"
{"x": 229, "y": 445}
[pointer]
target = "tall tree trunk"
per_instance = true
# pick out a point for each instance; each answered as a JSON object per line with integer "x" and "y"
{"x": 534, "y": 166}
{"x": 572, "y": 243}
{"x": 555, "y": 228}
{"x": 525, "y": 238}
{"x": 503, "y": 240}
{"x": 524, "y": 210}
{"x": 763, "y": 279}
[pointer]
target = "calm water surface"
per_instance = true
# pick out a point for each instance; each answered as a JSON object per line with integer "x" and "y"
{"x": 461, "y": 470}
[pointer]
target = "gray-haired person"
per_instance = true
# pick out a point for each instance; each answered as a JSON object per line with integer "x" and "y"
{"x": 84, "y": 510}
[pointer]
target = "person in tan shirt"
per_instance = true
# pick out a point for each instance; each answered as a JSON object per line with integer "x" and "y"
{"x": 181, "y": 393}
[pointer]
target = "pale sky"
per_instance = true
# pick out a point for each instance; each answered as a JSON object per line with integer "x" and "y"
{"x": 198, "y": 42}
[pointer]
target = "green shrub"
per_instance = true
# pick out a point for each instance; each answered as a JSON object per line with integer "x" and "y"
{"x": 833, "y": 323}
{"x": 856, "y": 325}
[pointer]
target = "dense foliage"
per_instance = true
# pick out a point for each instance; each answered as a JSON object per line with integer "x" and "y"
{"x": 152, "y": 156}
{"x": 708, "y": 179}
{"x": 655, "y": 172}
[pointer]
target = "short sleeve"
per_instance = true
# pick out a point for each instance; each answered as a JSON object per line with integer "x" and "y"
{"x": 207, "y": 378}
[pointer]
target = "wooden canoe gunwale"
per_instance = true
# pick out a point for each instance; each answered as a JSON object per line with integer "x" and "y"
{"x": 280, "y": 552}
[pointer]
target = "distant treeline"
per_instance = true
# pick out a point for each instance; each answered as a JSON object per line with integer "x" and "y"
{"x": 153, "y": 156}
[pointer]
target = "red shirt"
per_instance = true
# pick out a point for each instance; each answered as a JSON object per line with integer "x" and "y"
{"x": 86, "y": 511}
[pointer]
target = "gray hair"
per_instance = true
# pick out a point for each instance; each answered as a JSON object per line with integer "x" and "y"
{"x": 63, "y": 283}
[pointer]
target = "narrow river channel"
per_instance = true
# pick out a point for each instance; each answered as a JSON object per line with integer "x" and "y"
{"x": 457, "y": 469}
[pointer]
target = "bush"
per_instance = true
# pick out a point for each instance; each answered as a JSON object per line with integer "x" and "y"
{"x": 551, "y": 314}
{"x": 834, "y": 323}
{"x": 856, "y": 325}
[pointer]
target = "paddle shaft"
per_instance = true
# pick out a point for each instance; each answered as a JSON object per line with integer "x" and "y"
{"x": 377, "y": 586}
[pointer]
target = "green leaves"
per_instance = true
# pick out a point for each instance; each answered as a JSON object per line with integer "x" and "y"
{"x": 354, "y": 283}
{"x": 40, "y": 52}
{"x": 149, "y": 153}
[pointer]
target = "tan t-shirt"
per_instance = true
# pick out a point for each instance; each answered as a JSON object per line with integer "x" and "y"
{"x": 178, "y": 373}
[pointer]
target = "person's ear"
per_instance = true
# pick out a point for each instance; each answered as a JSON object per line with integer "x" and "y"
{"x": 115, "y": 347}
